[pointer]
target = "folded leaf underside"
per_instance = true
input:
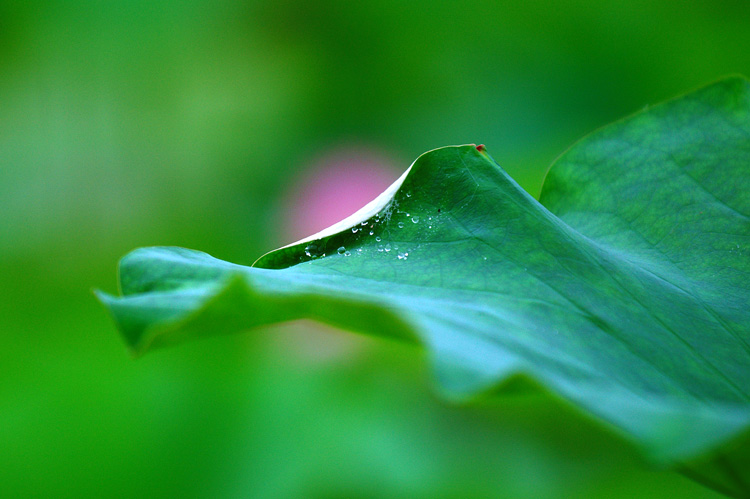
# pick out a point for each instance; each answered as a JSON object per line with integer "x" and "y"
{"x": 625, "y": 289}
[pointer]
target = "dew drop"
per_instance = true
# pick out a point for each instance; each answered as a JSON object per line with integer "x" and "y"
{"x": 311, "y": 250}
{"x": 415, "y": 220}
{"x": 380, "y": 248}
{"x": 408, "y": 194}
{"x": 372, "y": 232}
{"x": 401, "y": 225}
{"x": 364, "y": 223}
{"x": 347, "y": 253}
{"x": 354, "y": 230}
{"x": 403, "y": 256}
{"x": 341, "y": 250}
{"x": 377, "y": 238}
{"x": 387, "y": 248}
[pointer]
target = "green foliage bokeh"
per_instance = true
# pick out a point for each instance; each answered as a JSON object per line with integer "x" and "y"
{"x": 137, "y": 123}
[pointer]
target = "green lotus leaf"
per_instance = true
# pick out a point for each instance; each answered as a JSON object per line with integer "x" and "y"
{"x": 625, "y": 290}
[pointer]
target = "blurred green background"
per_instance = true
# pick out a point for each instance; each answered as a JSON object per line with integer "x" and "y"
{"x": 201, "y": 124}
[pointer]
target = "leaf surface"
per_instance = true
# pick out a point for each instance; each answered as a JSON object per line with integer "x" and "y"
{"x": 625, "y": 289}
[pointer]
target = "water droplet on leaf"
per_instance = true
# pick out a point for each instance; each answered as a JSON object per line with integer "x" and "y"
{"x": 311, "y": 250}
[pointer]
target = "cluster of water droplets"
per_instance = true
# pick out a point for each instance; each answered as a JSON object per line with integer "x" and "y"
{"x": 369, "y": 228}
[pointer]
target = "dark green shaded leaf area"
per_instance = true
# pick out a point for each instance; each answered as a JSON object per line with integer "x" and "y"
{"x": 625, "y": 290}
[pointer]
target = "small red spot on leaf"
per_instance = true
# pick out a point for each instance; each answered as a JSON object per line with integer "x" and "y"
{"x": 480, "y": 148}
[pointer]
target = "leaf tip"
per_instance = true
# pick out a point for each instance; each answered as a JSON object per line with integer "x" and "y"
{"x": 100, "y": 295}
